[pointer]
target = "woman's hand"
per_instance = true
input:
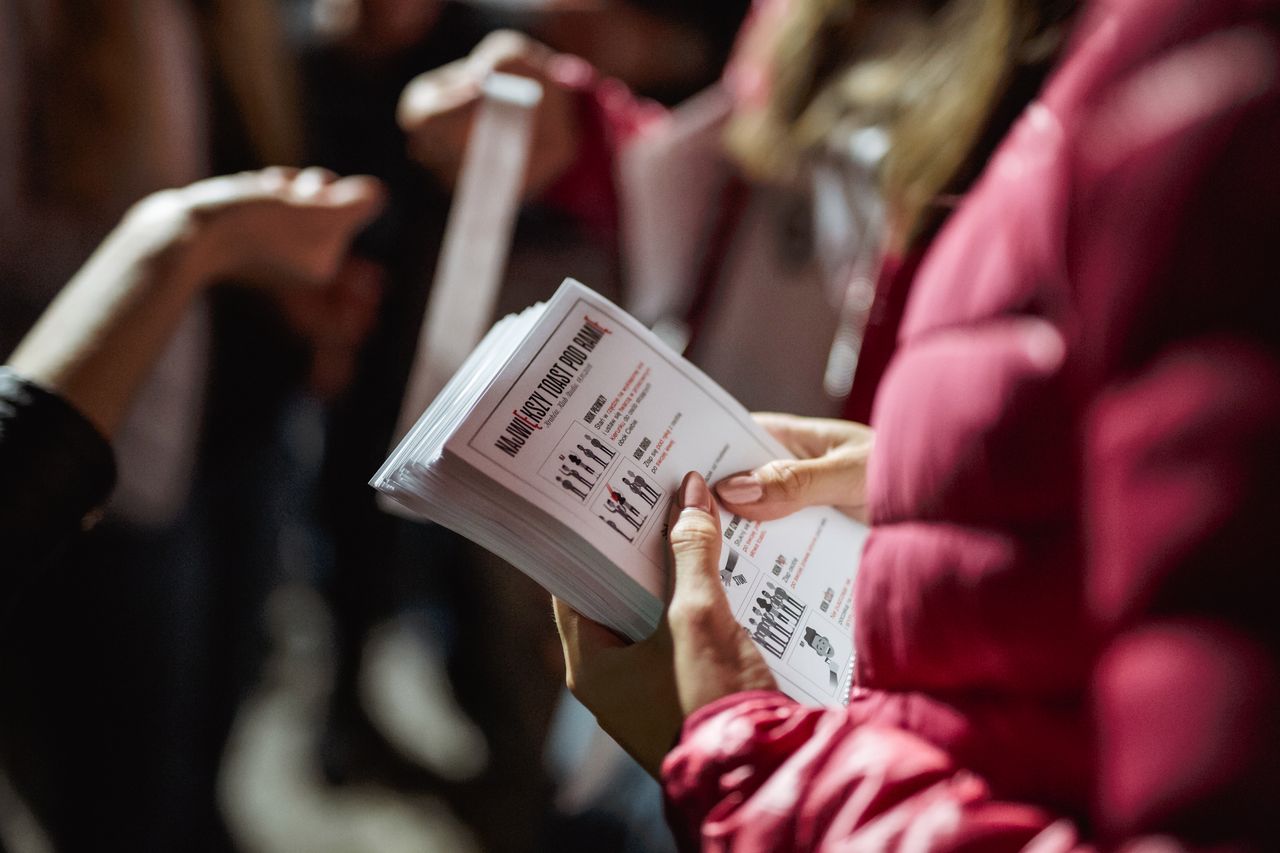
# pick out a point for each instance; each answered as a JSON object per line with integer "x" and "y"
{"x": 641, "y": 692}
{"x": 829, "y": 469}
{"x": 437, "y": 107}
{"x": 100, "y": 338}
{"x": 291, "y": 230}
{"x": 275, "y": 226}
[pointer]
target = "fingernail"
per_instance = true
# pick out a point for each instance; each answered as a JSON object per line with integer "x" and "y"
{"x": 740, "y": 489}
{"x": 694, "y": 493}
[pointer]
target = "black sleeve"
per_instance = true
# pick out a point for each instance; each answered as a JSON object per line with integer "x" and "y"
{"x": 55, "y": 469}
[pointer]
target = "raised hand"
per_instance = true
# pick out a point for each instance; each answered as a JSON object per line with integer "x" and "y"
{"x": 272, "y": 227}
{"x": 100, "y": 338}
{"x": 437, "y": 107}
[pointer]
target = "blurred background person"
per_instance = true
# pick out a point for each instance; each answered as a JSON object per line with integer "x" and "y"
{"x": 719, "y": 245}
{"x": 71, "y": 381}
{"x": 104, "y": 103}
{"x": 64, "y": 394}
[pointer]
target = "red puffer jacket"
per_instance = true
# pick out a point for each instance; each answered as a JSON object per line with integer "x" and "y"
{"x": 1066, "y": 622}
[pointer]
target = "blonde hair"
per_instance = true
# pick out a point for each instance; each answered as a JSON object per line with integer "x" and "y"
{"x": 932, "y": 74}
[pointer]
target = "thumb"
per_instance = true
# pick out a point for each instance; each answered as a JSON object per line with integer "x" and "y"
{"x": 694, "y": 537}
{"x": 783, "y": 486}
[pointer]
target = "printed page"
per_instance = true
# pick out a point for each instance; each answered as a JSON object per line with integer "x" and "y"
{"x": 597, "y": 421}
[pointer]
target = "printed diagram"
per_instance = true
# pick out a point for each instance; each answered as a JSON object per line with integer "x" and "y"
{"x": 731, "y": 575}
{"x": 622, "y": 514}
{"x": 631, "y": 500}
{"x": 582, "y": 466}
{"x": 822, "y": 647}
{"x": 625, "y": 517}
{"x": 775, "y": 616}
{"x": 578, "y": 463}
{"x": 738, "y": 576}
{"x": 821, "y": 654}
{"x": 642, "y": 488}
{"x": 576, "y": 476}
{"x": 597, "y": 447}
{"x": 783, "y": 626}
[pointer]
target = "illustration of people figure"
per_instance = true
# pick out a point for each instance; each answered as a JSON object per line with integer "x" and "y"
{"x": 615, "y": 528}
{"x": 622, "y": 502}
{"x": 590, "y": 455}
{"x": 782, "y": 598}
{"x": 641, "y": 488}
{"x": 781, "y": 628}
{"x": 603, "y": 448}
{"x": 766, "y": 627}
{"x": 569, "y": 472}
{"x": 820, "y": 644}
{"x": 766, "y": 640}
{"x": 573, "y": 457}
{"x": 780, "y": 613}
{"x": 620, "y": 511}
{"x": 779, "y": 639}
{"x": 570, "y": 487}
{"x": 823, "y": 649}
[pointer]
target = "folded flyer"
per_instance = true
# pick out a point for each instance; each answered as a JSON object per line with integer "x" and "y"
{"x": 560, "y": 443}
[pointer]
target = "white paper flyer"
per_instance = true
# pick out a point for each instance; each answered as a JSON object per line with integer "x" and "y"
{"x": 592, "y": 422}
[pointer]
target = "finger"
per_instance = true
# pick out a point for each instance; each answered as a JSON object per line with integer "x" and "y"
{"x": 809, "y": 438}
{"x": 276, "y": 178}
{"x": 310, "y": 182}
{"x": 783, "y": 486}
{"x": 360, "y": 197}
{"x": 694, "y": 539}
{"x": 429, "y": 96}
{"x": 580, "y": 637}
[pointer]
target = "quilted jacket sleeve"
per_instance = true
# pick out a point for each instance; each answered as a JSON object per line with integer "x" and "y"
{"x": 758, "y": 772}
{"x": 1177, "y": 280}
{"x": 1184, "y": 493}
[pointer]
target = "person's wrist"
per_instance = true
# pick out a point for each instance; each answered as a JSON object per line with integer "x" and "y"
{"x": 171, "y": 239}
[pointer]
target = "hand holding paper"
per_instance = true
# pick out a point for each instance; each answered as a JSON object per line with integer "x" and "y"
{"x": 829, "y": 469}
{"x": 641, "y": 692}
{"x": 561, "y": 444}
{"x": 437, "y": 109}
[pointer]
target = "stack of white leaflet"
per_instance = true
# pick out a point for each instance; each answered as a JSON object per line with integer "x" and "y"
{"x": 446, "y": 489}
{"x": 558, "y": 446}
